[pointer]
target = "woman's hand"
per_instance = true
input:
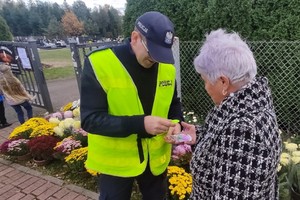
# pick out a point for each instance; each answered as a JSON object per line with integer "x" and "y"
{"x": 188, "y": 129}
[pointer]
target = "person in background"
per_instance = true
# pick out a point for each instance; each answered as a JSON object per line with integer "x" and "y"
{"x": 128, "y": 98}
{"x": 238, "y": 148}
{"x": 14, "y": 92}
{"x": 3, "y": 121}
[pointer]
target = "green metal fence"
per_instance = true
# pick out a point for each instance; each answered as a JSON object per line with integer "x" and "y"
{"x": 278, "y": 61}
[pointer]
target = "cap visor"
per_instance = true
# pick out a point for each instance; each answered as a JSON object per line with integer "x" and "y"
{"x": 160, "y": 53}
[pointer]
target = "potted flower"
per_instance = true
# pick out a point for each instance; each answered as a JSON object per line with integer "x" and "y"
{"x": 180, "y": 183}
{"x": 81, "y": 135}
{"x": 16, "y": 147}
{"x": 181, "y": 156}
{"x": 76, "y": 160}
{"x": 41, "y": 147}
{"x": 64, "y": 147}
{"x": 24, "y": 130}
{"x": 289, "y": 169}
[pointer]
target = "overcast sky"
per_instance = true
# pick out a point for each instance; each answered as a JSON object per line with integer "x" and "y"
{"x": 118, "y": 4}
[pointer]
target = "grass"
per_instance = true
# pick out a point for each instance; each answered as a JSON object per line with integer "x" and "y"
{"x": 57, "y": 63}
{"x": 56, "y": 57}
{"x": 59, "y": 72}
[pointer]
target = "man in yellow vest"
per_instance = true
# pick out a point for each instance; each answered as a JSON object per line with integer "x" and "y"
{"x": 128, "y": 98}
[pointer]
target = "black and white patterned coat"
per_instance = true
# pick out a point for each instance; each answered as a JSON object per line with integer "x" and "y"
{"x": 238, "y": 148}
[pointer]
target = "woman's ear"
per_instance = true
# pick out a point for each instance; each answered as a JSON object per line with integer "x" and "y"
{"x": 225, "y": 82}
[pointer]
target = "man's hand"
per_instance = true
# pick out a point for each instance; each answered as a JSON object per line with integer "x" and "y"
{"x": 157, "y": 125}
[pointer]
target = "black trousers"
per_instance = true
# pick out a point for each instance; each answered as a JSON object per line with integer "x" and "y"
{"x": 2, "y": 114}
{"x": 119, "y": 188}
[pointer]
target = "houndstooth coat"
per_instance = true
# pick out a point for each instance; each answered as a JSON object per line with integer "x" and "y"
{"x": 238, "y": 148}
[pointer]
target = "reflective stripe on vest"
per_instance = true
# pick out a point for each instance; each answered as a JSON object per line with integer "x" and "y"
{"x": 119, "y": 156}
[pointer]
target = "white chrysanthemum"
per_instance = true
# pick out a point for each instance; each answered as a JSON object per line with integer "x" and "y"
{"x": 76, "y": 112}
{"x": 54, "y": 120}
{"x": 284, "y": 161}
{"x": 296, "y": 153}
{"x": 284, "y": 155}
{"x": 62, "y": 124}
{"x": 76, "y": 124}
{"x": 291, "y": 147}
{"x": 76, "y": 104}
{"x": 296, "y": 160}
{"x": 279, "y": 166}
{"x": 68, "y": 122}
{"x": 58, "y": 131}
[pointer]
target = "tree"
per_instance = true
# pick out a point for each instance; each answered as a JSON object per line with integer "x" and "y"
{"x": 54, "y": 29}
{"x": 5, "y": 34}
{"x": 71, "y": 25}
{"x": 115, "y": 22}
{"x": 16, "y": 16}
{"x": 90, "y": 27}
{"x": 81, "y": 10}
{"x": 135, "y": 8}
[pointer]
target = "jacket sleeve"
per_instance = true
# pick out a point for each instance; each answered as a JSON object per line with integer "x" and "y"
{"x": 242, "y": 165}
{"x": 175, "y": 111}
{"x": 94, "y": 110}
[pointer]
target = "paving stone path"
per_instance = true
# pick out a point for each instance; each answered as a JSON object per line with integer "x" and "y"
{"x": 19, "y": 182}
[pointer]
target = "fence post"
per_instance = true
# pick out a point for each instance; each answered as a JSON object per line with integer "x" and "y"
{"x": 39, "y": 75}
{"x": 76, "y": 62}
{"x": 176, "y": 54}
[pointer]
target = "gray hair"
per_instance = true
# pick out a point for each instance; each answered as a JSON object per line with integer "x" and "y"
{"x": 225, "y": 54}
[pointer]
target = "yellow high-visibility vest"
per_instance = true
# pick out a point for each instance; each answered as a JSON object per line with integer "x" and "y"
{"x": 119, "y": 156}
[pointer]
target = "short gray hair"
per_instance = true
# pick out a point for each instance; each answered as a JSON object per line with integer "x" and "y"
{"x": 228, "y": 55}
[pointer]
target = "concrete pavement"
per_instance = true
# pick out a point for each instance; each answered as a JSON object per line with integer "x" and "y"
{"x": 20, "y": 182}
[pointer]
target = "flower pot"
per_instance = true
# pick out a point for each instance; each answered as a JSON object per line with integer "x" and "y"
{"x": 24, "y": 157}
{"x": 41, "y": 162}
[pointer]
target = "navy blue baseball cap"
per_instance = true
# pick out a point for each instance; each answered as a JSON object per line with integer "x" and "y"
{"x": 159, "y": 33}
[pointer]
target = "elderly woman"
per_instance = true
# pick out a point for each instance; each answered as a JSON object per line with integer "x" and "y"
{"x": 238, "y": 148}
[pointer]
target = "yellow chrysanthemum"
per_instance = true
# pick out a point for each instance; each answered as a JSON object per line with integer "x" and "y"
{"x": 92, "y": 172}
{"x": 35, "y": 121}
{"x": 45, "y": 129}
{"x": 66, "y": 107}
{"x": 26, "y": 129}
{"x": 23, "y": 131}
{"x": 77, "y": 155}
{"x": 180, "y": 182}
